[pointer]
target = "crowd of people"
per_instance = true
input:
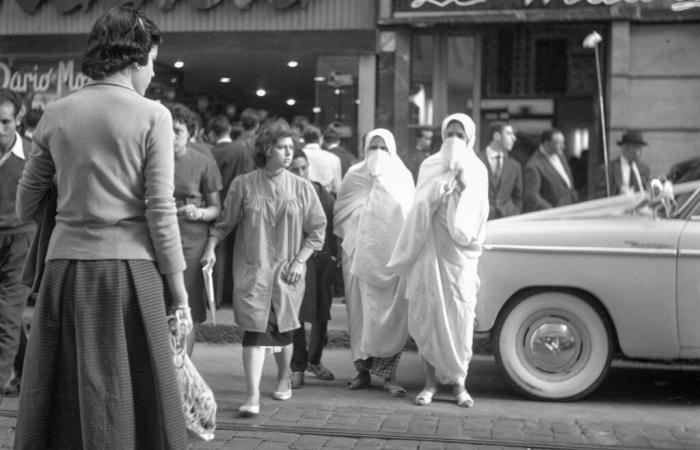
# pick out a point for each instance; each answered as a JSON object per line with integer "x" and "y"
{"x": 546, "y": 179}
{"x": 116, "y": 210}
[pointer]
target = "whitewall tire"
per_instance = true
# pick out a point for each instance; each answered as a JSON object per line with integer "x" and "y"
{"x": 553, "y": 345}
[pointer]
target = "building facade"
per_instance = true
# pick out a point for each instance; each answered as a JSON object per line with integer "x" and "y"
{"x": 289, "y": 57}
{"x": 524, "y": 61}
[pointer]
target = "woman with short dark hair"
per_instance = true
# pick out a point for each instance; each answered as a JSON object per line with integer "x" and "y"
{"x": 98, "y": 371}
{"x": 197, "y": 186}
{"x": 279, "y": 224}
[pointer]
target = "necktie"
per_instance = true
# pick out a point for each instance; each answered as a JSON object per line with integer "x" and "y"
{"x": 635, "y": 178}
{"x": 498, "y": 171}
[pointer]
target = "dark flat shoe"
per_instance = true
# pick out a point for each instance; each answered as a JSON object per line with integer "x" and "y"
{"x": 394, "y": 389}
{"x": 362, "y": 380}
{"x": 321, "y": 372}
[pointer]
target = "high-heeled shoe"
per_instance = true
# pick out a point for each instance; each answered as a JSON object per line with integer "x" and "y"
{"x": 283, "y": 395}
{"x": 249, "y": 410}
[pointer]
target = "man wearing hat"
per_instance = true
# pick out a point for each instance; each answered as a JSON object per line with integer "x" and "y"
{"x": 626, "y": 173}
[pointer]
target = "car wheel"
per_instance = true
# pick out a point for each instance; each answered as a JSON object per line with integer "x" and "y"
{"x": 553, "y": 346}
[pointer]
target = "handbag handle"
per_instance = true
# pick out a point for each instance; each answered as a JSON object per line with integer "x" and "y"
{"x": 179, "y": 329}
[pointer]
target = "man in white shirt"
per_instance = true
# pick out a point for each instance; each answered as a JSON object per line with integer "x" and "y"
{"x": 505, "y": 175}
{"x": 627, "y": 173}
{"x": 548, "y": 182}
{"x": 324, "y": 166}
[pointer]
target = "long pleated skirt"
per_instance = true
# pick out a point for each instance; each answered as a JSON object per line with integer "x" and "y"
{"x": 98, "y": 372}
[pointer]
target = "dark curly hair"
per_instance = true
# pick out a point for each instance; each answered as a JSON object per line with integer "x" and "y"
{"x": 183, "y": 114}
{"x": 267, "y": 137}
{"x": 11, "y": 97}
{"x": 122, "y": 36}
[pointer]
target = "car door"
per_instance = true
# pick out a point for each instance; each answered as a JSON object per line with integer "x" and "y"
{"x": 688, "y": 287}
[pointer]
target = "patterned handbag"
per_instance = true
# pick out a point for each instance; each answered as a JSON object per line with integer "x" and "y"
{"x": 198, "y": 403}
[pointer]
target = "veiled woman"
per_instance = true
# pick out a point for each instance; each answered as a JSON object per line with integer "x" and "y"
{"x": 437, "y": 251}
{"x": 373, "y": 201}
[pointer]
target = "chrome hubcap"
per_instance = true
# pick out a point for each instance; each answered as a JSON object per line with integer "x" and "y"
{"x": 553, "y": 345}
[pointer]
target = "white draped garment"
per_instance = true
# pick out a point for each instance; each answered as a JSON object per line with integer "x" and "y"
{"x": 437, "y": 253}
{"x": 368, "y": 214}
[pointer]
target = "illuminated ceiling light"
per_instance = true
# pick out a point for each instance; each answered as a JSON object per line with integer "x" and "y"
{"x": 291, "y": 102}
{"x": 179, "y": 64}
{"x": 316, "y": 109}
{"x": 292, "y": 64}
{"x": 320, "y": 79}
{"x": 224, "y": 80}
{"x": 173, "y": 80}
{"x": 260, "y": 92}
{"x": 357, "y": 101}
{"x": 337, "y": 92}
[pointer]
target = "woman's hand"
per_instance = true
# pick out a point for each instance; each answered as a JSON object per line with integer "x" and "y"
{"x": 461, "y": 179}
{"x": 293, "y": 272}
{"x": 182, "y": 325}
{"x": 190, "y": 212}
{"x": 208, "y": 257}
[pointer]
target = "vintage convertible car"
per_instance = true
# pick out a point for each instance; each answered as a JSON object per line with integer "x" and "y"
{"x": 563, "y": 291}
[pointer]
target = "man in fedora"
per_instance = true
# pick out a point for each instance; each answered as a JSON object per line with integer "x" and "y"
{"x": 626, "y": 173}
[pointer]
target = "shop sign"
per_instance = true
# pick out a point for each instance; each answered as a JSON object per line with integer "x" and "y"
{"x": 41, "y": 83}
{"x": 67, "y": 6}
{"x": 495, "y": 5}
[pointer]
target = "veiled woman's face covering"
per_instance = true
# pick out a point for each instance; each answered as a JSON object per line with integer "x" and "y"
{"x": 454, "y": 150}
{"x": 377, "y": 156}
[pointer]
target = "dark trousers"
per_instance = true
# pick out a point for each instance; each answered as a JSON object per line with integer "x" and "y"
{"x": 312, "y": 354}
{"x": 13, "y": 299}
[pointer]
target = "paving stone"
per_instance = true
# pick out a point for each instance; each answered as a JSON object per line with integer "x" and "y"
{"x": 339, "y": 442}
{"x": 267, "y": 445}
{"x": 282, "y": 437}
{"x": 543, "y": 438}
{"x": 634, "y": 441}
{"x": 395, "y": 444}
{"x": 309, "y": 442}
{"x": 601, "y": 438}
{"x": 431, "y": 446}
{"x": 316, "y": 414}
{"x": 665, "y": 444}
{"x": 367, "y": 426}
{"x": 422, "y": 428}
{"x": 312, "y": 423}
{"x": 692, "y": 435}
{"x": 366, "y": 443}
{"x": 692, "y": 444}
{"x": 508, "y": 433}
{"x": 449, "y": 430}
{"x": 483, "y": 433}
{"x": 538, "y": 429}
{"x": 245, "y": 443}
{"x": 508, "y": 423}
{"x": 569, "y": 438}
{"x": 253, "y": 434}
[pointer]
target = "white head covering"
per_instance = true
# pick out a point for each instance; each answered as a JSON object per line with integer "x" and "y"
{"x": 437, "y": 181}
{"x": 379, "y": 162}
{"x": 371, "y": 207}
{"x": 456, "y": 152}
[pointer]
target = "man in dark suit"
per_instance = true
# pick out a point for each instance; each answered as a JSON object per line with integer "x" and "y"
{"x": 505, "y": 175}
{"x": 15, "y": 236}
{"x": 233, "y": 158}
{"x": 626, "y": 173}
{"x": 331, "y": 143}
{"x": 547, "y": 181}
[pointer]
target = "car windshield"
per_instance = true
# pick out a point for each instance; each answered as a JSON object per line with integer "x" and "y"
{"x": 687, "y": 198}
